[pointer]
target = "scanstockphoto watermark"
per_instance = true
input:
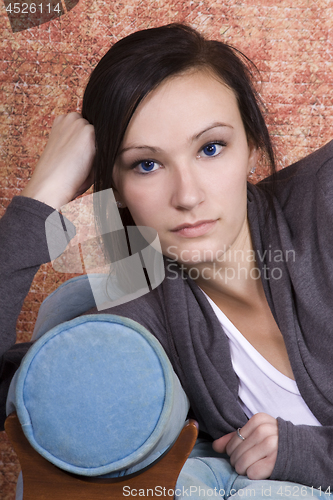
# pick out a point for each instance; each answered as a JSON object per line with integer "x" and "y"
{"x": 262, "y": 491}
{"x": 228, "y": 254}
{"x": 227, "y": 264}
{"x": 195, "y": 491}
{"x": 226, "y": 274}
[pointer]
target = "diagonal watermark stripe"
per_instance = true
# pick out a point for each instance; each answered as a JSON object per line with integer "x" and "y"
{"x": 88, "y": 236}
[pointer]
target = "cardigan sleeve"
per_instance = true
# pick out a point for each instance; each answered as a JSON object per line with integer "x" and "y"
{"x": 23, "y": 248}
{"x": 22, "y": 251}
{"x": 302, "y": 301}
{"x": 305, "y": 455}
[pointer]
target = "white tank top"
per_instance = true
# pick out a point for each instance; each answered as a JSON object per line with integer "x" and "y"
{"x": 262, "y": 388}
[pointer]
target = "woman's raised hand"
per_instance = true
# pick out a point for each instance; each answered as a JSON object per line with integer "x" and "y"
{"x": 255, "y": 456}
{"x": 63, "y": 171}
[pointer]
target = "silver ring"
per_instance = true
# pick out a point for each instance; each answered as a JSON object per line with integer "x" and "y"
{"x": 239, "y": 434}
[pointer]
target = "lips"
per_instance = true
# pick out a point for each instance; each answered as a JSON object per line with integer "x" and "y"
{"x": 182, "y": 226}
{"x": 197, "y": 229}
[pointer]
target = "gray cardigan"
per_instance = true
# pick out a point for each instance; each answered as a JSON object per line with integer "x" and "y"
{"x": 293, "y": 242}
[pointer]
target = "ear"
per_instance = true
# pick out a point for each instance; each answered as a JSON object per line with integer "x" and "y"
{"x": 118, "y": 198}
{"x": 253, "y": 158}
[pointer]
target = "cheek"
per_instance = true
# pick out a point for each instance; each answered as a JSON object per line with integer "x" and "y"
{"x": 144, "y": 200}
{"x": 229, "y": 188}
{"x": 231, "y": 172}
{"x": 144, "y": 210}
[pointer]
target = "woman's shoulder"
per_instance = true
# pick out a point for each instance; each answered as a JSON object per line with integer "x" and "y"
{"x": 304, "y": 177}
{"x": 165, "y": 310}
{"x": 147, "y": 309}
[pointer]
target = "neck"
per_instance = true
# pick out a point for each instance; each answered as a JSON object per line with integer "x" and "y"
{"x": 236, "y": 276}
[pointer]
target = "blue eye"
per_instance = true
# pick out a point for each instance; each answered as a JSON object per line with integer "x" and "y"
{"x": 147, "y": 166}
{"x": 212, "y": 149}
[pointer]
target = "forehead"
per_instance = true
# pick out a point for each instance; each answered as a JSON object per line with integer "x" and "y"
{"x": 182, "y": 104}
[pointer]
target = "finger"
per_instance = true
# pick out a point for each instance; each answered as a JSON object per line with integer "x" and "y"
{"x": 262, "y": 469}
{"x": 257, "y": 421}
{"x": 256, "y": 436}
{"x": 247, "y": 455}
{"x": 72, "y": 115}
{"x": 220, "y": 444}
{"x": 237, "y": 442}
{"x": 58, "y": 119}
{"x": 69, "y": 123}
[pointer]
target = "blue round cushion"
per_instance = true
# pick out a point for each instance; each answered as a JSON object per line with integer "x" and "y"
{"x": 97, "y": 395}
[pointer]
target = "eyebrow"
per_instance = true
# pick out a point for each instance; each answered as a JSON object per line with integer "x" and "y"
{"x": 193, "y": 138}
{"x": 213, "y": 125}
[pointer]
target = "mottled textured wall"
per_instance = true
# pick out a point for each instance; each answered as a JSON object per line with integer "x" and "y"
{"x": 43, "y": 71}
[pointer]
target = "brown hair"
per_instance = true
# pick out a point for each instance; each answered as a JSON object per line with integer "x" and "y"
{"x": 137, "y": 64}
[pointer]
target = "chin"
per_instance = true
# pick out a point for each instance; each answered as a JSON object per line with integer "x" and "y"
{"x": 192, "y": 256}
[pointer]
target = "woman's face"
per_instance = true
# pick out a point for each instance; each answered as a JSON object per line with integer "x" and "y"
{"x": 183, "y": 166}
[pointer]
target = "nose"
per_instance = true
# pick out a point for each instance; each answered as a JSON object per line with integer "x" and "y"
{"x": 188, "y": 190}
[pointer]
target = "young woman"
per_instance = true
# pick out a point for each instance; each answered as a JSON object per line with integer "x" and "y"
{"x": 244, "y": 311}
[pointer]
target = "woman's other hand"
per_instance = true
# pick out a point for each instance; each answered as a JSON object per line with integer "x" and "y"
{"x": 256, "y": 455}
{"x": 63, "y": 171}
